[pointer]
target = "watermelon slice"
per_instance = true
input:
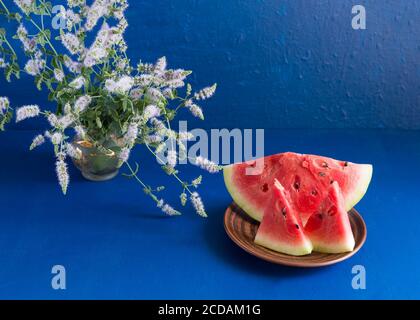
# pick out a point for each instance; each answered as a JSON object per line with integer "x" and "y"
{"x": 281, "y": 229}
{"x": 329, "y": 228}
{"x": 305, "y": 177}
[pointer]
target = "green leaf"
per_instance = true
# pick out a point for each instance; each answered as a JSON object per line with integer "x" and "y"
{"x": 197, "y": 181}
{"x": 183, "y": 198}
{"x": 98, "y": 122}
{"x": 38, "y": 83}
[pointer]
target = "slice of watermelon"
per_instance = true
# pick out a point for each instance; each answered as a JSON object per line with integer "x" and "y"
{"x": 329, "y": 228}
{"x": 306, "y": 178}
{"x": 281, "y": 229}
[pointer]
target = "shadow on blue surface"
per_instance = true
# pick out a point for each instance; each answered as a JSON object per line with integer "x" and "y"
{"x": 226, "y": 250}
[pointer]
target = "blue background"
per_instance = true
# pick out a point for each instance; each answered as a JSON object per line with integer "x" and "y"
{"x": 285, "y": 65}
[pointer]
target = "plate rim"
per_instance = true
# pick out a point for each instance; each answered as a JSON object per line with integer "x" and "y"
{"x": 295, "y": 262}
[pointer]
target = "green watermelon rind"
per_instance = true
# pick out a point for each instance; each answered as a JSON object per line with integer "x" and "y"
{"x": 284, "y": 247}
{"x": 348, "y": 247}
{"x": 366, "y": 171}
{"x": 237, "y": 196}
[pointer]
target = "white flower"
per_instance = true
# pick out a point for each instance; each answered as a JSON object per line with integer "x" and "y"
{"x": 72, "y": 43}
{"x": 178, "y": 74}
{"x": 3, "y": 64}
{"x": 62, "y": 174}
{"x": 77, "y": 83}
{"x": 124, "y": 154}
{"x": 53, "y": 120}
{"x": 96, "y": 11}
{"x": 29, "y": 45}
{"x": 154, "y": 95}
{"x": 72, "y": 18}
{"x": 151, "y": 111}
{"x": 58, "y": 75}
{"x": 98, "y": 51}
{"x": 131, "y": 134}
{"x": 144, "y": 80}
{"x": 159, "y": 126}
{"x": 80, "y": 131}
{"x": 136, "y": 93}
{"x": 167, "y": 209}
{"x": 34, "y": 66}
{"x": 171, "y": 158}
{"x": 145, "y": 67}
{"x": 173, "y": 84}
{"x": 121, "y": 65}
{"x": 73, "y": 152}
{"x": 82, "y": 103}
{"x": 122, "y": 86}
{"x": 65, "y": 121}
{"x": 24, "y": 5}
{"x": 185, "y": 135}
{"x": 37, "y": 141}
{"x": 73, "y": 66}
{"x": 26, "y": 112}
{"x": 67, "y": 108}
{"x": 205, "y": 93}
{"x": 4, "y": 104}
{"x": 168, "y": 93}
{"x": 125, "y": 84}
{"x": 206, "y": 164}
{"x": 198, "y": 204}
{"x": 196, "y": 111}
{"x": 94, "y": 56}
{"x": 161, "y": 147}
{"x": 75, "y": 3}
{"x": 122, "y": 25}
{"x": 160, "y": 65}
{"x": 56, "y": 138}
{"x": 110, "y": 85}
{"x": 154, "y": 138}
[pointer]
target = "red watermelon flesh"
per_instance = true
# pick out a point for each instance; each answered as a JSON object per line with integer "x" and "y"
{"x": 305, "y": 177}
{"x": 329, "y": 228}
{"x": 281, "y": 229}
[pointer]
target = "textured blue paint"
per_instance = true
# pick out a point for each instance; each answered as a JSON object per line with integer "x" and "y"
{"x": 289, "y": 63}
{"x": 116, "y": 245}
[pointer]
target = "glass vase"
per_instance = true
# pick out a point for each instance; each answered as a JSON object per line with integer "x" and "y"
{"x": 97, "y": 163}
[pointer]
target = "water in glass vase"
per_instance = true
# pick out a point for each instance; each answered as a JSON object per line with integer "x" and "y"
{"x": 96, "y": 164}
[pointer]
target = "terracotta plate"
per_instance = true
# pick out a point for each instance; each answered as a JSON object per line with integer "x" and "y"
{"x": 242, "y": 229}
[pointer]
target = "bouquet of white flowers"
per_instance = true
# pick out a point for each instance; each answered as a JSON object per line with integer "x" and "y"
{"x": 98, "y": 93}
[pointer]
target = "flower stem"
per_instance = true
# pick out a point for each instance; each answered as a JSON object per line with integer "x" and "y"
{"x": 184, "y": 185}
{"x": 134, "y": 174}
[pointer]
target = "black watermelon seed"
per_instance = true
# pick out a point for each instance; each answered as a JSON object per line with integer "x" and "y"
{"x": 346, "y": 163}
{"x": 284, "y": 211}
{"x": 321, "y": 174}
{"x": 264, "y": 187}
{"x": 297, "y": 226}
{"x": 325, "y": 165}
{"x": 296, "y": 184}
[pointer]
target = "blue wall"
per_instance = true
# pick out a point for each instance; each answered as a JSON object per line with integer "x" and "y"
{"x": 285, "y": 63}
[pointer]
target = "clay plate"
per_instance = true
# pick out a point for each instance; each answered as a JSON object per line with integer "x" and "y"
{"x": 242, "y": 229}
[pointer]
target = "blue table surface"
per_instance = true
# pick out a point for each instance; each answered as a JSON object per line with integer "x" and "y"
{"x": 115, "y": 244}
